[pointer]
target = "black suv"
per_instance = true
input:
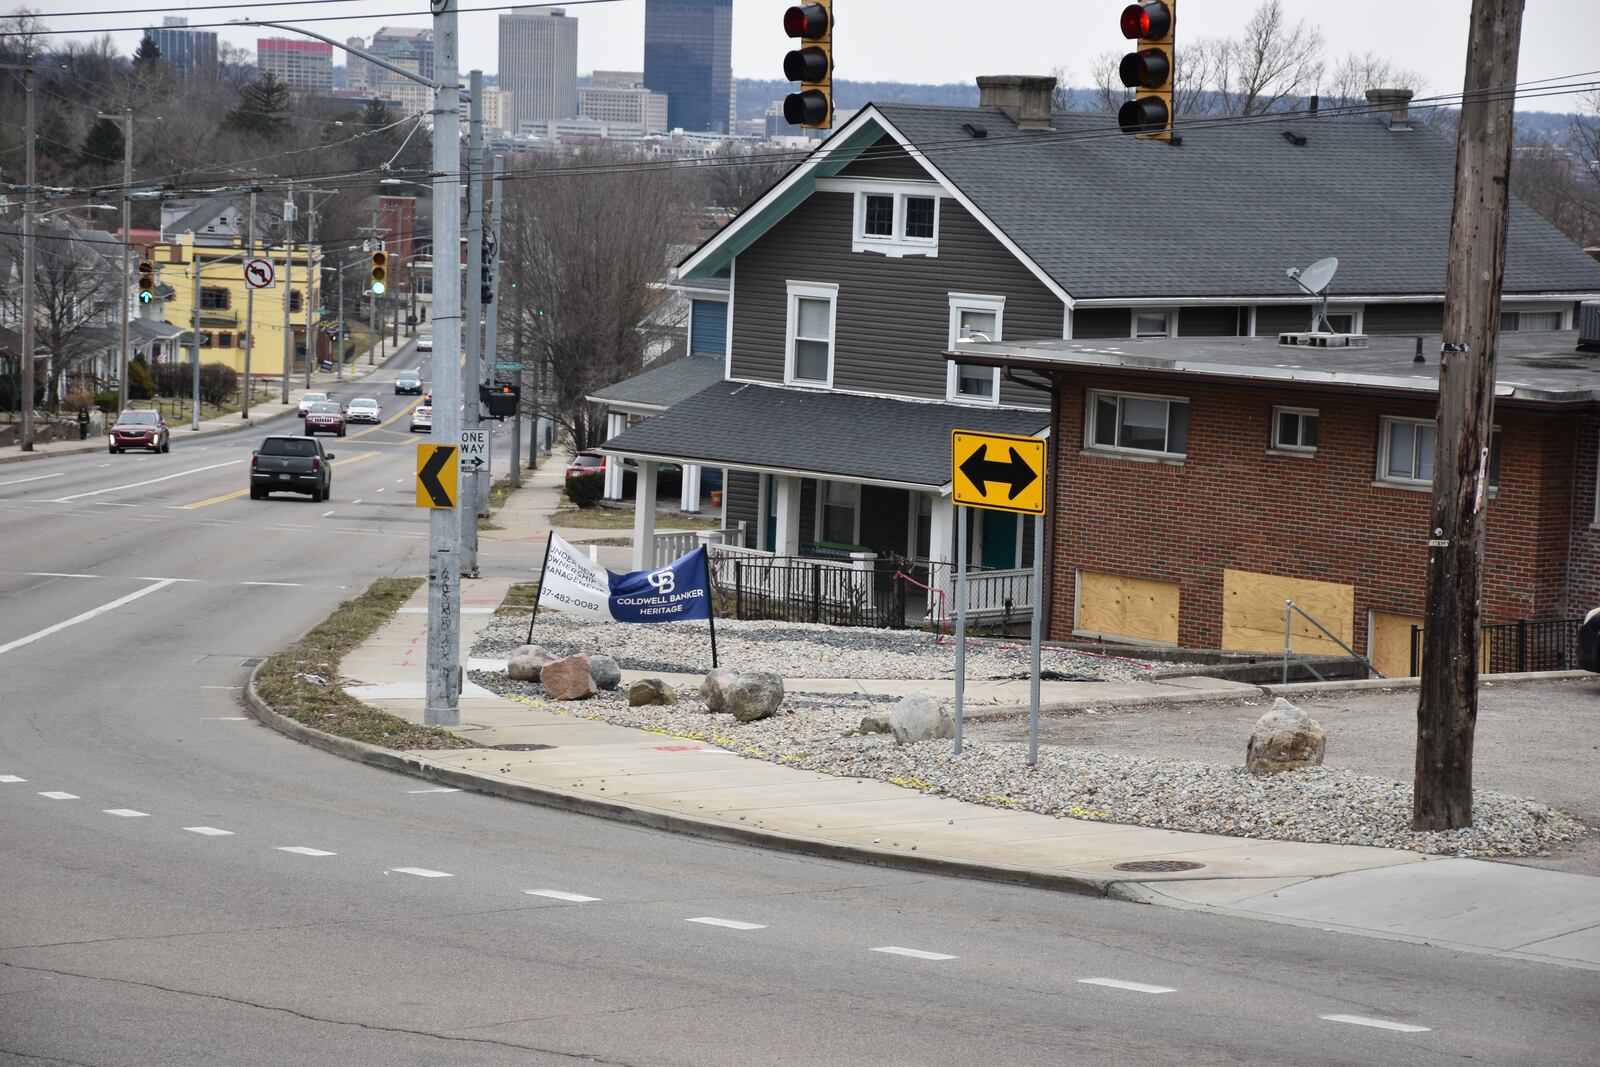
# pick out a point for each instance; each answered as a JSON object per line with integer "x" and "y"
{"x": 1589, "y": 642}
{"x": 408, "y": 381}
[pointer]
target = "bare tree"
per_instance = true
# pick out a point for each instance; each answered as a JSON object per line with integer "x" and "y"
{"x": 74, "y": 285}
{"x": 1270, "y": 64}
{"x": 736, "y": 176}
{"x": 1559, "y": 177}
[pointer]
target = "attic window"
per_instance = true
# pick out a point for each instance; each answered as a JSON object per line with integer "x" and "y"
{"x": 1296, "y": 139}
{"x": 897, "y": 219}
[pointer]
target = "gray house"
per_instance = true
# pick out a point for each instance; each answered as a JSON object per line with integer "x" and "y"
{"x": 913, "y": 231}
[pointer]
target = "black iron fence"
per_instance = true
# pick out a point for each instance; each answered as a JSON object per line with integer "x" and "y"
{"x": 784, "y": 589}
{"x": 1507, "y": 647}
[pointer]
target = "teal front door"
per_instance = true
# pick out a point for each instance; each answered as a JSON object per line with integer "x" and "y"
{"x": 999, "y": 540}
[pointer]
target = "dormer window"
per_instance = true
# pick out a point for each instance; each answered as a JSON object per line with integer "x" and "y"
{"x": 897, "y": 219}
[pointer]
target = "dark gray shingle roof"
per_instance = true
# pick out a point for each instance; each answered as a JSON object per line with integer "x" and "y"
{"x": 665, "y": 385}
{"x": 870, "y": 438}
{"x": 1225, "y": 213}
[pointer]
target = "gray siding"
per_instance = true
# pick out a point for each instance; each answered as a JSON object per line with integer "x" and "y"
{"x": 1208, "y": 322}
{"x": 744, "y": 500}
{"x": 1403, "y": 319}
{"x": 893, "y": 315}
{"x": 1273, "y": 319}
{"x": 1091, "y": 323}
{"x": 883, "y": 519}
{"x": 886, "y": 159}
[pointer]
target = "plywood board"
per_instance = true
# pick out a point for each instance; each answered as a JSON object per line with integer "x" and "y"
{"x": 1119, "y": 606}
{"x": 1389, "y": 643}
{"x": 1253, "y": 607}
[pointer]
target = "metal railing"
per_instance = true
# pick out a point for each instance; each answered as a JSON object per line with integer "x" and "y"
{"x": 1290, "y": 610}
{"x": 1517, "y": 647}
{"x": 860, "y": 592}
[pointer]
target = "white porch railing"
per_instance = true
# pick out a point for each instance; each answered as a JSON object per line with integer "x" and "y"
{"x": 671, "y": 546}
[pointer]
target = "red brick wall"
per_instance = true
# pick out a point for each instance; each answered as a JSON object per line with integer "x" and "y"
{"x": 1230, "y": 504}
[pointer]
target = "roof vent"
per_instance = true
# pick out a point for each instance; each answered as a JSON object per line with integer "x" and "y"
{"x": 1589, "y": 326}
{"x": 1296, "y": 139}
{"x": 974, "y": 130}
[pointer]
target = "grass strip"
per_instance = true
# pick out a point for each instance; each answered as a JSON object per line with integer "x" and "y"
{"x": 519, "y": 600}
{"x": 617, "y": 519}
{"x": 284, "y": 682}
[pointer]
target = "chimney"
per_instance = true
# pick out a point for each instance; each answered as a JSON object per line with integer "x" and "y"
{"x": 1025, "y": 98}
{"x": 1390, "y": 106}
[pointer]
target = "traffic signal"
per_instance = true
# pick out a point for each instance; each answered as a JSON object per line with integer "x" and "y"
{"x": 147, "y": 282}
{"x": 1148, "y": 71}
{"x": 502, "y": 399}
{"x": 811, "y": 65}
{"x": 486, "y": 274}
{"x": 380, "y": 273}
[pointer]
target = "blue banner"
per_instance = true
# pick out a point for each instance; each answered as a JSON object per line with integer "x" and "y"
{"x": 681, "y": 590}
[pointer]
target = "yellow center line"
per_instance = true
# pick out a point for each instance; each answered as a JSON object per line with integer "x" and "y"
{"x": 405, "y": 412}
{"x": 236, "y": 495}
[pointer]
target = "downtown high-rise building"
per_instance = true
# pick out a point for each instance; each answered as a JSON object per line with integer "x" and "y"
{"x": 688, "y": 56}
{"x": 538, "y": 66}
{"x": 188, "y": 52}
{"x": 304, "y": 66}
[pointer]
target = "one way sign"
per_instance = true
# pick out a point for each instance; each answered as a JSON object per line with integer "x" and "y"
{"x": 997, "y": 471}
{"x": 474, "y": 451}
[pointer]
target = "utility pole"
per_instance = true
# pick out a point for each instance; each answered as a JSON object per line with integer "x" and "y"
{"x": 127, "y": 243}
{"x": 1447, "y": 704}
{"x": 472, "y": 369}
{"x": 491, "y": 326}
{"x": 27, "y": 267}
{"x": 249, "y": 304}
{"x": 288, "y": 291}
{"x": 313, "y": 279}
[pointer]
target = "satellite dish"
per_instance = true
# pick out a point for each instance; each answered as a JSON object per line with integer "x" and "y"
{"x": 1315, "y": 280}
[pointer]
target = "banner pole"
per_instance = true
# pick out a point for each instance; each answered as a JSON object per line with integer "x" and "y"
{"x": 711, "y": 602}
{"x": 549, "y": 537}
{"x": 713, "y": 621}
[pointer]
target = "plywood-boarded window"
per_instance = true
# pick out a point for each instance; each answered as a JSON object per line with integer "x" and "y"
{"x": 1125, "y": 608}
{"x": 1253, "y": 607}
{"x": 1390, "y": 642}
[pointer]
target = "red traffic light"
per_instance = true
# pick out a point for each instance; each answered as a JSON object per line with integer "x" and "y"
{"x": 809, "y": 21}
{"x": 1148, "y": 68}
{"x": 1149, "y": 21}
{"x": 1148, "y": 114}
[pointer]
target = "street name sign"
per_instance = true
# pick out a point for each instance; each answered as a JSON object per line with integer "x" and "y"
{"x": 508, "y": 366}
{"x": 436, "y": 476}
{"x": 260, "y": 273}
{"x": 474, "y": 450}
{"x": 1002, "y": 472}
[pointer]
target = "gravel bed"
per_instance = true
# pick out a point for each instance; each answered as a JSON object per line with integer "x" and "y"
{"x": 796, "y": 650}
{"x": 1322, "y": 805}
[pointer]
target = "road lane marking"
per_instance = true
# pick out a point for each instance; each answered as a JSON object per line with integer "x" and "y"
{"x": 420, "y": 872}
{"x": 126, "y": 813}
{"x": 54, "y": 574}
{"x": 914, "y": 953}
{"x": 1117, "y": 983}
{"x": 209, "y": 831}
{"x": 301, "y": 850}
{"x": 325, "y": 514}
{"x": 56, "y": 795}
{"x": 113, "y": 504}
{"x": 161, "y": 583}
{"x": 40, "y": 477}
{"x": 283, "y": 585}
{"x": 357, "y": 500}
{"x": 441, "y": 789}
{"x": 11, "y": 778}
{"x": 237, "y": 493}
{"x": 731, "y": 924}
{"x": 152, "y": 481}
{"x": 381, "y": 488}
{"x": 390, "y": 421}
{"x": 224, "y": 718}
{"x": 1381, "y": 1024}
{"x": 556, "y": 894}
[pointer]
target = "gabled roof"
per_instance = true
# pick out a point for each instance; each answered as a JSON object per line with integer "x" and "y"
{"x": 662, "y": 386}
{"x": 1106, "y": 217}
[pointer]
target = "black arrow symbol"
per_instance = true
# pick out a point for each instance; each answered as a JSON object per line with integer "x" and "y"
{"x": 429, "y": 476}
{"x": 1016, "y": 473}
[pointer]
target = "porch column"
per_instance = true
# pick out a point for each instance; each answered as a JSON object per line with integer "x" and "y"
{"x": 690, "y": 501}
{"x": 786, "y": 511}
{"x": 942, "y": 556}
{"x": 644, "y": 517}
{"x": 616, "y": 422}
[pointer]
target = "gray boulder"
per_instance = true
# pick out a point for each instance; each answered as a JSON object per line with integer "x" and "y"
{"x": 753, "y": 696}
{"x": 650, "y": 691}
{"x": 920, "y": 717}
{"x": 875, "y": 723}
{"x": 526, "y": 663}
{"x": 568, "y": 679}
{"x": 714, "y": 690}
{"x": 1284, "y": 739}
{"x": 605, "y": 672}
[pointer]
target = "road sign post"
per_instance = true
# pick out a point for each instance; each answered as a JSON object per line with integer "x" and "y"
{"x": 998, "y": 472}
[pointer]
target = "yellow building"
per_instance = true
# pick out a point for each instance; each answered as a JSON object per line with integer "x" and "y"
{"x": 224, "y": 298}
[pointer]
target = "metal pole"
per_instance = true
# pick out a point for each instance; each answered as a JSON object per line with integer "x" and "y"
{"x": 961, "y": 619}
{"x": 1287, "y": 604}
{"x": 491, "y": 329}
{"x": 288, "y": 294}
{"x": 194, "y": 400}
{"x": 338, "y": 357}
{"x": 442, "y": 707}
{"x": 372, "y": 298}
{"x": 548, "y": 537}
{"x": 309, "y": 303}
{"x": 249, "y": 304}
{"x": 127, "y": 244}
{"x": 472, "y": 369}
{"x": 28, "y": 279}
{"x": 1037, "y": 581}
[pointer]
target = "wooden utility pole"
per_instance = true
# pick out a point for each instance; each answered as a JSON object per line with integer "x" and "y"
{"x": 1447, "y": 705}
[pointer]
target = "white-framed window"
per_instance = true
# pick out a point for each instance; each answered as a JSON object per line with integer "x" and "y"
{"x": 839, "y": 512}
{"x": 897, "y": 221}
{"x": 1154, "y": 322}
{"x": 808, "y": 357}
{"x": 1347, "y": 319}
{"x": 974, "y": 319}
{"x": 1129, "y": 422}
{"x": 1294, "y": 429}
{"x": 1406, "y": 449}
{"x": 1531, "y": 319}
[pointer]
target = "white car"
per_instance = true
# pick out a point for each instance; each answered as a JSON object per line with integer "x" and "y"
{"x": 422, "y": 419}
{"x": 363, "y": 409}
{"x": 424, "y": 342}
{"x": 310, "y": 400}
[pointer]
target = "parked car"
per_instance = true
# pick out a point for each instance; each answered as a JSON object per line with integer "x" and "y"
{"x": 310, "y": 399}
{"x": 325, "y": 418}
{"x": 586, "y": 462}
{"x": 140, "y": 429}
{"x": 424, "y": 342}
{"x": 1589, "y": 642}
{"x": 408, "y": 381}
{"x": 363, "y": 409}
{"x": 422, "y": 419}
{"x": 291, "y": 465}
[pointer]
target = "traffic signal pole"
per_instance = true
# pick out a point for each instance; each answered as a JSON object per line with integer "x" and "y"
{"x": 1447, "y": 702}
{"x": 472, "y": 370}
{"x": 249, "y": 305}
{"x": 491, "y": 326}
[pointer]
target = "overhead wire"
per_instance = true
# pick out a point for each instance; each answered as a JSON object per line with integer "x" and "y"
{"x": 246, "y": 23}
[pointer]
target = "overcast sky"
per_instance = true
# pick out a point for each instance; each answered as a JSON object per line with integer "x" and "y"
{"x": 897, "y": 40}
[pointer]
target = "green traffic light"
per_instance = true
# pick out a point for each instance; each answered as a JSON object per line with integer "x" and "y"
{"x": 146, "y": 297}
{"x": 378, "y": 288}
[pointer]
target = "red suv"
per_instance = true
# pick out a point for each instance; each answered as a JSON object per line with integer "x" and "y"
{"x": 325, "y": 418}
{"x": 140, "y": 429}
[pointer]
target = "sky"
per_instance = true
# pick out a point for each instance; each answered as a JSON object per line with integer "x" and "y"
{"x": 926, "y": 41}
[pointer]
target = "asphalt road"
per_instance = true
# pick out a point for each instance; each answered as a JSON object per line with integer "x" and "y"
{"x": 179, "y": 885}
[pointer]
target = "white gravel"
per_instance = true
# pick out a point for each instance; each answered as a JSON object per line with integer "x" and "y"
{"x": 1322, "y": 805}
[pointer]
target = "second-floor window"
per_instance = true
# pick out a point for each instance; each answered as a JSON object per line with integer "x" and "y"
{"x": 1525, "y": 321}
{"x": 1132, "y": 423}
{"x": 810, "y": 336}
{"x": 974, "y": 320}
{"x": 1294, "y": 429}
{"x": 1406, "y": 448}
{"x": 213, "y": 299}
{"x": 294, "y": 301}
{"x": 1154, "y": 323}
{"x": 897, "y": 222}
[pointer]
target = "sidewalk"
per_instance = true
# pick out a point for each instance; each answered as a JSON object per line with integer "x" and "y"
{"x": 569, "y": 762}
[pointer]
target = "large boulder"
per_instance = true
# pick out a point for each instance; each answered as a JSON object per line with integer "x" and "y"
{"x": 753, "y": 696}
{"x": 568, "y": 679}
{"x": 920, "y": 717}
{"x": 526, "y": 663}
{"x": 714, "y": 690}
{"x": 1284, "y": 739}
{"x": 650, "y": 691}
{"x": 605, "y": 672}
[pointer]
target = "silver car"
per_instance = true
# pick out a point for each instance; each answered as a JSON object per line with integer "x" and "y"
{"x": 363, "y": 409}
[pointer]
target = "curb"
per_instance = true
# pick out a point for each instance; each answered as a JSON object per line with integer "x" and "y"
{"x": 1411, "y": 684}
{"x": 579, "y": 804}
{"x": 99, "y": 446}
{"x": 1172, "y": 700}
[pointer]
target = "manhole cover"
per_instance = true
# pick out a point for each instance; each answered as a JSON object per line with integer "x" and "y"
{"x": 1158, "y": 866}
{"x": 519, "y": 748}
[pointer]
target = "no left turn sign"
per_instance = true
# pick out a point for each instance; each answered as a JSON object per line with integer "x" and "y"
{"x": 260, "y": 273}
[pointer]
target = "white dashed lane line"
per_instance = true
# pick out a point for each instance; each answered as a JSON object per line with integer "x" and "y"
{"x": 39, "y": 477}
{"x": 159, "y": 584}
{"x": 208, "y": 831}
{"x": 137, "y": 485}
{"x": 915, "y": 953}
{"x": 420, "y": 872}
{"x": 731, "y": 924}
{"x": 126, "y": 813}
{"x": 440, "y": 789}
{"x": 571, "y": 898}
{"x": 57, "y": 795}
{"x": 225, "y": 718}
{"x": 301, "y": 850}
{"x": 1380, "y": 1024}
{"x": 1117, "y": 983}
{"x": 11, "y": 778}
